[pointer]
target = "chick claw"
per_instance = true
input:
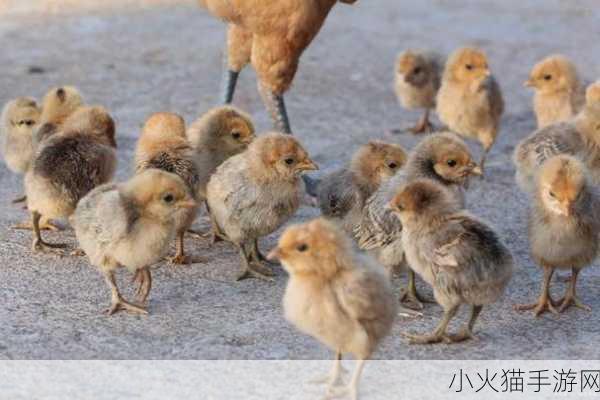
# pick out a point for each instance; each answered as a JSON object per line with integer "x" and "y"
{"x": 569, "y": 301}
{"x": 431, "y": 338}
{"x": 45, "y": 226}
{"x": 258, "y": 271}
{"x": 41, "y": 246}
{"x": 122, "y": 305}
{"x": 185, "y": 259}
{"x": 538, "y": 308}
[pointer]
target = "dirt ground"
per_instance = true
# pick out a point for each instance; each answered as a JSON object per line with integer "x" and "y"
{"x": 138, "y": 57}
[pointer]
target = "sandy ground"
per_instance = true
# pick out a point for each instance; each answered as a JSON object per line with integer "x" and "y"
{"x": 147, "y": 56}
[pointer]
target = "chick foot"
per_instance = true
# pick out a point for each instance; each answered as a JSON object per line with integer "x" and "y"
{"x": 121, "y": 305}
{"x": 39, "y": 245}
{"x": 410, "y": 297}
{"x": 19, "y": 199}
{"x": 258, "y": 271}
{"x": 424, "y": 125}
{"x": 186, "y": 259}
{"x": 45, "y": 226}
{"x": 543, "y": 305}
{"x": 430, "y": 338}
{"x": 572, "y": 301}
{"x": 143, "y": 279}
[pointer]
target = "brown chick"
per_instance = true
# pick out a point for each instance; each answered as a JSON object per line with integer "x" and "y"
{"x": 443, "y": 157}
{"x": 417, "y": 81}
{"x": 564, "y": 227}
{"x": 469, "y": 101}
{"x": 335, "y": 294}
{"x": 559, "y": 94}
{"x": 253, "y": 193}
{"x": 163, "y": 145}
{"x": 67, "y": 165}
{"x": 578, "y": 137}
{"x": 19, "y": 117}
{"x": 343, "y": 193}
{"x": 453, "y": 251}
{"x": 131, "y": 225}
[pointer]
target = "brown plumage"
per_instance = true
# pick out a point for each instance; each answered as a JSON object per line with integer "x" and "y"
{"x": 417, "y": 81}
{"x": 253, "y": 193}
{"x": 469, "y": 101}
{"x": 559, "y": 94}
{"x": 67, "y": 165}
{"x": 564, "y": 227}
{"x": 163, "y": 145}
{"x": 335, "y": 294}
{"x": 460, "y": 256}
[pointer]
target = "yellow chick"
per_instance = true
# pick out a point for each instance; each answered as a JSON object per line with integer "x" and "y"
{"x": 131, "y": 225}
{"x": 559, "y": 94}
{"x": 57, "y": 105}
{"x": 254, "y": 193}
{"x": 469, "y": 101}
{"x": 564, "y": 228}
{"x": 417, "y": 81}
{"x": 163, "y": 145}
{"x": 335, "y": 294}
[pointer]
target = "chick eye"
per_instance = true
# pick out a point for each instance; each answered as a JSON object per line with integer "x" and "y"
{"x": 289, "y": 161}
{"x": 392, "y": 165}
{"x": 168, "y": 198}
{"x": 417, "y": 70}
{"x": 28, "y": 122}
{"x": 236, "y": 135}
{"x": 451, "y": 163}
{"x": 552, "y": 195}
{"x": 469, "y": 67}
{"x": 302, "y": 247}
{"x": 548, "y": 77}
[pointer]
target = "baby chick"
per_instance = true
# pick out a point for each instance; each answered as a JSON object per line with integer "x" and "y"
{"x": 343, "y": 193}
{"x": 67, "y": 165}
{"x": 131, "y": 224}
{"x": 559, "y": 94}
{"x": 579, "y": 137}
{"x": 442, "y": 157}
{"x": 217, "y": 135}
{"x": 253, "y": 193}
{"x": 163, "y": 145}
{"x": 57, "y": 105}
{"x": 469, "y": 101}
{"x": 19, "y": 117}
{"x": 564, "y": 227}
{"x": 453, "y": 251}
{"x": 335, "y": 294}
{"x": 417, "y": 82}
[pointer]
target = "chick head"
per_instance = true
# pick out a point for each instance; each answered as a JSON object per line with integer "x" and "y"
{"x": 414, "y": 68}
{"x": 561, "y": 180}
{"x": 377, "y": 161}
{"x": 59, "y": 103}
{"x": 313, "y": 248}
{"x": 158, "y": 194}
{"x": 164, "y": 124}
{"x": 553, "y": 74}
{"x": 281, "y": 156}
{"x": 94, "y": 121}
{"x": 450, "y": 157}
{"x": 592, "y": 95}
{"x": 468, "y": 65}
{"x": 22, "y": 114}
{"x": 423, "y": 197}
{"x": 226, "y": 128}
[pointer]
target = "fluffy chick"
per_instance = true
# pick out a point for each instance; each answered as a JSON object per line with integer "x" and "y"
{"x": 417, "y": 81}
{"x": 578, "y": 137}
{"x": 131, "y": 224}
{"x": 335, "y": 294}
{"x": 163, "y": 145}
{"x": 19, "y": 117}
{"x": 67, "y": 165}
{"x": 343, "y": 193}
{"x": 57, "y": 105}
{"x": 443, "y": 157}
{"x": 453, "y": 251}
{"x": 469, "y": 101}
{"x": 559, "y": 95}
{"x": 253, "y": 193}
{"x": 564, "y": 227}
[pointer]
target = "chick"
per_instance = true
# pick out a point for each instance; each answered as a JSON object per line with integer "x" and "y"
{"x": 564, "y": 227}
{"x": 335, "y": 294}
{"x": 19, "y": 117}
{"x": 343, "y": 193}
{"x": 57, "y": 105}
{"x": 559, "y": 95}
{"x": 453, "y": 251}
{"x": 469, "y": 101}
{"x": 253, "y": 193}
{"x": 131, "y": 224}
{"x": 442, "y": 157}
{"x": 67, "y": 165}
{"x": 163, "y": 145}
{"x": 579, "y": 137}
{"x": 417, "y": 81}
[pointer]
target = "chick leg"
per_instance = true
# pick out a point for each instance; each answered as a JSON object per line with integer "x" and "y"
{"x": 38, "y": 243}
{"x": 334, "y": 376}
{"x": 19, "y": 199}
{"x": 45, "y": 225}
{"x": 439, "y": 334}
{"x": 545, "y": 302}
{"x": 467, "y": 332}
{"x": 117, "y": 302}
{"x": 144, "y": 279}
{"x": 571, "y": 298}
{"x": 252, "y": 269}
{"x": 259, "y": 257}
{"x": 180, "y": 257}
{"x": 423, "y": 125}
{"x": 410, "y": 297}
{"x": 352, "y": 389}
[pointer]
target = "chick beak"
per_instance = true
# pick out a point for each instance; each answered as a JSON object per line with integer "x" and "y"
{"x": 307, "y": 165}
{"x": 248, "y": 140}
{"x": 528, "y": 83}
{"x": 187, "y": 204}
{"x": 476, "y": 170}
{"x": 487, "y": 73}
{"x": 274, "y": 254}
